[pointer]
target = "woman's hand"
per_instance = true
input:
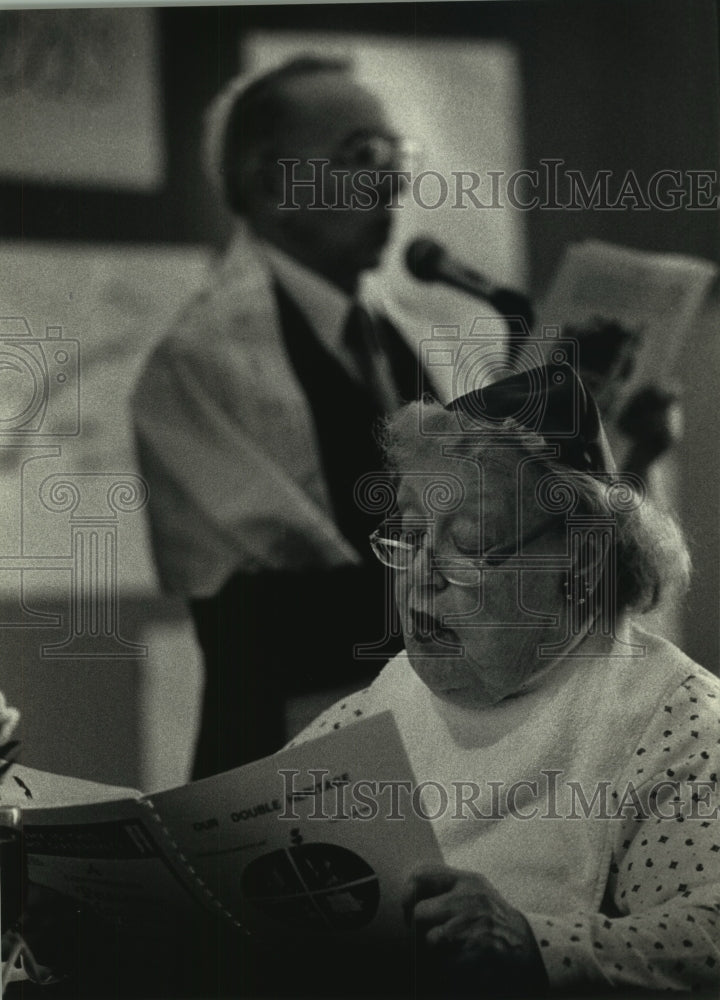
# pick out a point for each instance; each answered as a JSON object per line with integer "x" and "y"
{"x": 470, "y": 937}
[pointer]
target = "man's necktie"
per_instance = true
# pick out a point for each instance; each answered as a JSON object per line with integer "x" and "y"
{"x": 362, "y": 338}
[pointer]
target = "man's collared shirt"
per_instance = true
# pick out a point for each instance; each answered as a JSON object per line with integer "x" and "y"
{"x": 323, "y": 304}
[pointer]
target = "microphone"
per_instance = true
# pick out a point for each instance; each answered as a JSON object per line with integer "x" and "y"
{"x": 428, "y": 260}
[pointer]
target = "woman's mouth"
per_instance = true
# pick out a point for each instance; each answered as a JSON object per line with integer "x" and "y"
{"x": 427, "y": 630}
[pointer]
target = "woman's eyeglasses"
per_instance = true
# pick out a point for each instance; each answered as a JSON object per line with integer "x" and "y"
{"x": 397, "y": 548}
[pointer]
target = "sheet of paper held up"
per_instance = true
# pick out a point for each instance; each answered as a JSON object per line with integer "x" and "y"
{"x": 660, "y": 296}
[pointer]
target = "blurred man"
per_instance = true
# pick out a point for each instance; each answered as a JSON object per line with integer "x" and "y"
{"x": 255, "y": 416}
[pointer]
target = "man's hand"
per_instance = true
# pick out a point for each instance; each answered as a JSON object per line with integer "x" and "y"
{"x": 470, "y": 937}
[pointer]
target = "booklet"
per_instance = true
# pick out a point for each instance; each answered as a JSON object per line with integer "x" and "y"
{"x": 310, "y": 841}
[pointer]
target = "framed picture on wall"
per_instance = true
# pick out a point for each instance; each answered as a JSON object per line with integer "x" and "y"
{"x": 80, "y": 98}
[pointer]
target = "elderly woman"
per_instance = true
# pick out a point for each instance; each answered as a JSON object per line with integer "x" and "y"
{"x": 580, "y": 752}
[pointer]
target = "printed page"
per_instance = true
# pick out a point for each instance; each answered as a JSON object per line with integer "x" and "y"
{"x": 314, "y": 841}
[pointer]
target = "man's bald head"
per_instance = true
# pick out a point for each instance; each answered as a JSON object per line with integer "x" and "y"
{"x": 255, "y": 132}
{"x": 292, "y": 139}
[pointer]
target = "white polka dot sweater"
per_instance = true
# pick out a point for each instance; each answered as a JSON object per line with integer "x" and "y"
{"x": 590, "y": 801}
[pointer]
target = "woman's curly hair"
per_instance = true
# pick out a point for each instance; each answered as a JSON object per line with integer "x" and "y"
{"x": 651, "y": 557}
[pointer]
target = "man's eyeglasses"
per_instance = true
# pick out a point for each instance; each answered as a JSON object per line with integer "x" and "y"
{"x": 397, "y": 548}
{"x": 375, "y": 152}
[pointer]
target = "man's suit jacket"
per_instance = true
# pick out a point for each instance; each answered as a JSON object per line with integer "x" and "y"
{"x": 227, "y": 440}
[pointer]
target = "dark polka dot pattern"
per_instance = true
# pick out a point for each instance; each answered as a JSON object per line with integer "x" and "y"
{"x": 663, "y": 879}
{"x": 339, "y": 715}
{"x": 664, "y": 876}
